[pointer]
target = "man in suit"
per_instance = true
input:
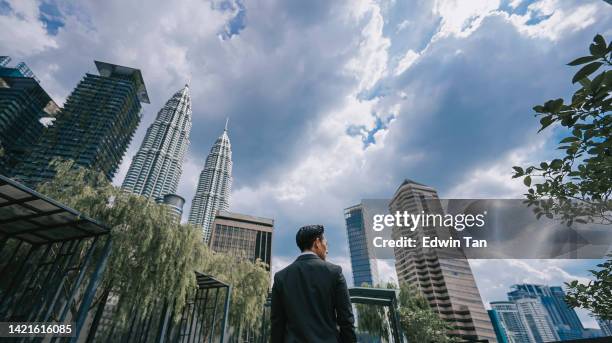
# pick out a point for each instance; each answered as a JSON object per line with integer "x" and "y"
{"x": 310, "y": 301}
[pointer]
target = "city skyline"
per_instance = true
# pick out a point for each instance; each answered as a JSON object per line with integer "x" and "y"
{"x": 369, "y": 108}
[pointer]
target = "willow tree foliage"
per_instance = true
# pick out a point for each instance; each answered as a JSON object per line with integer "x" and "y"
{"x": 153, "y": 256}
{"x": 419, "y": 323}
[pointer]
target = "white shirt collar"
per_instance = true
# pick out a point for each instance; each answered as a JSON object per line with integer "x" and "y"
{"x": 307, "y": 252}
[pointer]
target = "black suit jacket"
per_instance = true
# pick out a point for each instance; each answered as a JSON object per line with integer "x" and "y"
{"x": 310, "y": 303}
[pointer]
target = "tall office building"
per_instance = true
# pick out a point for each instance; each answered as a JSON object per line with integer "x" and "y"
{"x": 23, "y": 103}
{"x": 95, "y": 126}
{"x": 443, "y": 277}
{"x": 536, "y": 317}
{"x": 358, "y": 220}
{"x": 606, "y": 326}
{"x": 214, "y": 186}
{"x": 501, "y": 332}
{"x": 564, "y": 319}
{"x": 157, "y": 166}
{"x": 516, "y": 329}
{"x": 243, "y": 236}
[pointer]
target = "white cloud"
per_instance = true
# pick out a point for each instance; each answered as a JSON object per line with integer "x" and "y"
{"x": 461, "y": 18}
{"x": 21, "y": 33}
{"x": 557, "y": 20}
{"x": 405, "y": 62}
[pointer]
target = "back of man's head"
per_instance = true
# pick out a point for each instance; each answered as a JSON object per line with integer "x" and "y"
{"x": 307, "y": 235}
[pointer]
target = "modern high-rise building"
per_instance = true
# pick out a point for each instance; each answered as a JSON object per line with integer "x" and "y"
{"x": 443, "y": 277}
{"x": 214, "y": 186}
{"x": 243, "y": 236}
{"x": 606, "y": 326}
{"x": 23, "y": 103}
{"x": 95, "y": 126}
{"x": 358, "y": 220}
{"x": 564, "y": 319}
{"x": 157, "y": 166}
{"x": 516, "y": 330}
{"x": 499, "y": 327}
{"x": 536, "y": 317}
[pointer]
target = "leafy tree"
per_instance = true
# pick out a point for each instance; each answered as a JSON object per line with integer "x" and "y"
{"x": 153, "y": 256}
{"x": 418, "y": 321}
{"x": 595, "y": 296}
{"x": 577, "y": 186}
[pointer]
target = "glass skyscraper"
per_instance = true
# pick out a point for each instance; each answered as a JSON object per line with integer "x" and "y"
{"x": 23, "y": 103}
{"x": 358, "y": 230}
{"x": 564, "y": 319}
{"x": 514, "y": 326}
{"x": 214, "y": 186}
{"x": 157, "y": 166}
{"x": 95, "y": 126}
{"x": 537, "y": 319}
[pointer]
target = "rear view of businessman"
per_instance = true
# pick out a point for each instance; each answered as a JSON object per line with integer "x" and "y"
{"x": 310, "y": 301}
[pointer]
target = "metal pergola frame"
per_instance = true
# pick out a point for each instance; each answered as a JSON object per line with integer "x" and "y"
{"x": 54, "y": 259}
{"x": 380, "y": 297}
{"x": 197, "y": 321}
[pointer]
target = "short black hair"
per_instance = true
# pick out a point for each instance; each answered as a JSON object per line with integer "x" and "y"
{"x": 307, "y": 235}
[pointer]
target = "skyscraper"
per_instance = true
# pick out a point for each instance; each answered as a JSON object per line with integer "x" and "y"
{"x": 443, "y": 277}
{"x": 515, "y": 327}
{"x": 606, "y": 326}
{"x": 95, "y": 126}
{"x": 536, "y": 317}
{"x": 243, "y": 236}
{"x": 564, "y": 319}
{"x": 157, "y": 166}
{"x": 358, "y": 222}
{"x": 23, "y": 103}
{"x": 214, "y": 186}
{"x": 499, "y": 327}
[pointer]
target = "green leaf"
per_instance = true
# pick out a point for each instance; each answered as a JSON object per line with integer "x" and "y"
{"x": 582, "y": 60}
{"x": 527, "y": 180}
{"x": 586, "y": 71}
{"x": 569, "y": 139}
{"x": 545, "y": 121}
{"x": 519, "y": 171}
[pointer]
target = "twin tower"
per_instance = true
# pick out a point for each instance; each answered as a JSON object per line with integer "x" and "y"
{"x": 157, "y": 166}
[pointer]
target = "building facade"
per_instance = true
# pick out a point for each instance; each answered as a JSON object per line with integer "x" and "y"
{"x": 564, "y": 319}
{"x": 95, "y": 126}
{"x": 214, "y": 186}
{"x": 157, "y": 166}
{"x": 515, "y": 327}
{"x": 23, "y": 103}
{"x": 606, "y": 326}
{"x": 358, "y": 223}
{"x": 443, "y": 277}
{"x": 175, "y": 203}
{"x": 243, "y": 236}
{"x": 536, "y": 317}
{"x": 499, "y": 327}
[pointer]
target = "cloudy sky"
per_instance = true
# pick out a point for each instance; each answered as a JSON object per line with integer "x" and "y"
{"x": 330, "y": 101}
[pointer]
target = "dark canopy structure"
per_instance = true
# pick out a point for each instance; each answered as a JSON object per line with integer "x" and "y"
{"x": 380, "y": 297}
{"x": 51, "y": 258}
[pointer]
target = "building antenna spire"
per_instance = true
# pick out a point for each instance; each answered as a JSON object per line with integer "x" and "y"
{"x": 226, "y": 122}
